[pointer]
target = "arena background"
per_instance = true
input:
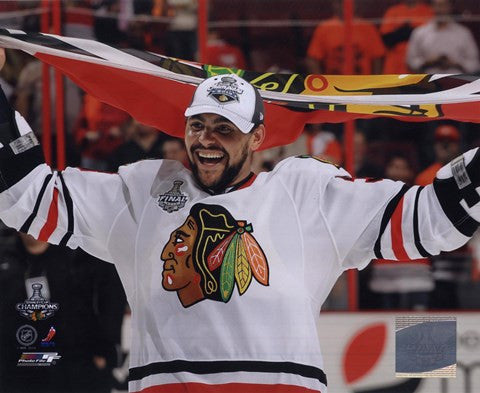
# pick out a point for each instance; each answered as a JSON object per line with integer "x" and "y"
{"x": 274, "y": 35}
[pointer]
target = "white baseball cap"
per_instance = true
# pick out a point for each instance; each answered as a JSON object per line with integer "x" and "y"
{"x": 229, "y": 96}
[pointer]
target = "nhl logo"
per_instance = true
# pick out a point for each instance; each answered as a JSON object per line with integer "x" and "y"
{"x": 26, "y": 335}
{"x": 173, "y": 199}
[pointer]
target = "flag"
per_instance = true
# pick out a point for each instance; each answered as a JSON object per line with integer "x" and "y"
{"x": 156, "y": 89}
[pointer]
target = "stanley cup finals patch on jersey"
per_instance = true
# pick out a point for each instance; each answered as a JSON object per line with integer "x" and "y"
{"x": 225, "y": 91}
{"x": 209, "y": 253}
{"x": 174, "y": 199}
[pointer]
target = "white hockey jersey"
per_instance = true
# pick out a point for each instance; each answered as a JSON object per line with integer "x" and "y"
{"x": 226, "y": 290}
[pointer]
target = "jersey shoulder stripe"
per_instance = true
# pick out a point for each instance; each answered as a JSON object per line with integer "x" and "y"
{"x": 70, "y": 216}
{"x": 26, "y": 225}
{"x": 416, "y": 232}
{"x": 387, "y": 215}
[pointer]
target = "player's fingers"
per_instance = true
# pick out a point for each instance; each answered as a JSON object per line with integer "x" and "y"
{"x": 2, "y": 58}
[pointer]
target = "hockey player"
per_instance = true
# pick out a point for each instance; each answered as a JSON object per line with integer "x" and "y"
{"x": 225, "y": 271}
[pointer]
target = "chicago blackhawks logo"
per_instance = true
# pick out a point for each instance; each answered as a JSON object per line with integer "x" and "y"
{"x": 209, "y": 253}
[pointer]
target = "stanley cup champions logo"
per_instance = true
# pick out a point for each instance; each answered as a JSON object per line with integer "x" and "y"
{"x": 37, "y": 307}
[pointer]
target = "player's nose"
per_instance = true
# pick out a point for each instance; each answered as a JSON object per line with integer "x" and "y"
{"x": 207, "y": 137}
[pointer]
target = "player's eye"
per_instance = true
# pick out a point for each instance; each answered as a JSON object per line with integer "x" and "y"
{"x": 196, "y": 126}
{"x": 224, "y": 129}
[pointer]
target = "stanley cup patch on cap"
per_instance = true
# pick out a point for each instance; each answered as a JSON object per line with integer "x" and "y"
{"x": 225, "y": 91}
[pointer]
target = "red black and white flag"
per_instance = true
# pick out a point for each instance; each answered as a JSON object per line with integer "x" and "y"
{"x": 156, "y": 89}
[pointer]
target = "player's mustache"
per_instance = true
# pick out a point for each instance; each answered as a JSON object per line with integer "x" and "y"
{"x": 198, "y": 146}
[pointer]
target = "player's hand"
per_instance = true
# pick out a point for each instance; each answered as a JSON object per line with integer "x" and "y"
{"x": 3, "y": 58}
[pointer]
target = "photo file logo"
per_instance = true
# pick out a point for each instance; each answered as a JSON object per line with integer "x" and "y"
{"x": 38, "y": 359}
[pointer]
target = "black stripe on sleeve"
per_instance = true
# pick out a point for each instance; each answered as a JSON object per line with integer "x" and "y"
{"x": 26, "y": 225}
{"x": 416, "y": 233}
{"x": 69, "y": 204}
{"x": 215, "y": 367}
{"x": 449, "y": 196}
{"x": 387, "y": 215}
{"x": 14, "y": 167}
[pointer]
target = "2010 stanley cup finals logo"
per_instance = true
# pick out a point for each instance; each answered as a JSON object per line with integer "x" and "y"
{"x": 173, "y": 199}
{"x": 37, "y": 307}
{"x": 226, "y": 90}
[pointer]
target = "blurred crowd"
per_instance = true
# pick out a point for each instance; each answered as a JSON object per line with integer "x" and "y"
{"x": 405, "y": 36}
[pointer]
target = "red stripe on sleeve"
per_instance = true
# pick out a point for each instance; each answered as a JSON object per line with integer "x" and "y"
{"x": 396, "y": 229}
{"x": 194, "y": 387}
{"x": 52, "y": 218}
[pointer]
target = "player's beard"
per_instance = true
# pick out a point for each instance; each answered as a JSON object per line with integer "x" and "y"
{"x": 229, "y": 173}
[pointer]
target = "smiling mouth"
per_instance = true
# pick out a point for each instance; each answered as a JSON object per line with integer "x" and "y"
{"x": 209, "y": 158}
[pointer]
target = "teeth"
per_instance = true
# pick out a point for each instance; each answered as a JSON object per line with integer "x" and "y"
{"x": 210, "y": 155}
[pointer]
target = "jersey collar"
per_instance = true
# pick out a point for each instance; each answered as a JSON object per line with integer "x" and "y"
{"x": 246, "y": 182}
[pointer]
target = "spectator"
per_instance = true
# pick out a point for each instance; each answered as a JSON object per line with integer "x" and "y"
{"x": 98, "y": 132}
{"x": 442, "y": 45}
{"x": 314, "y": 141}
{"x": 401, "y": 284}
{"x": 84, "y": 330}
{"x": 111, "y": 20}
{"x": 325, "y": 54}
{"x": 397, "y": 25}
{"x": 362, "y": 165}
{"x": 221, "y": 53}
{"x": 181, "y": 35}
{"x": 446, "y": 147}
{"x": 143, "y": 142}
{"x": 320, "y": 142}
{"x": 174, "y": 149}
{"x": 78, "y": 19}
{"x": 29, "y": 100}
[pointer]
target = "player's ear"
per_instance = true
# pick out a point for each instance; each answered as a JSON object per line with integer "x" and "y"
{"x": 257, "y": 138}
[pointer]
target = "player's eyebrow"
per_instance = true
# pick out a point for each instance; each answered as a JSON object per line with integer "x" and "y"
{"x": 181, "y": 233}
{"x": 222, "y": 119}
{"x": 219, "y": 119}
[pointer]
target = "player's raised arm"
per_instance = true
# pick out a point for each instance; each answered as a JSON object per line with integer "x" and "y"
{"x": 373, "y": 218}
{"x": 70, "y": 207}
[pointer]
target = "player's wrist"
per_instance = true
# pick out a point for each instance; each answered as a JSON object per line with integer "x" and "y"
{"x": 457, "y": 186}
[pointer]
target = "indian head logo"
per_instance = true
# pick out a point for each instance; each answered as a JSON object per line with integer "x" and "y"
{"x": 210, "y": 254}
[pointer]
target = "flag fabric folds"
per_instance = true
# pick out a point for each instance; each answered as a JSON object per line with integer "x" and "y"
{"x": 156, "y": 89}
